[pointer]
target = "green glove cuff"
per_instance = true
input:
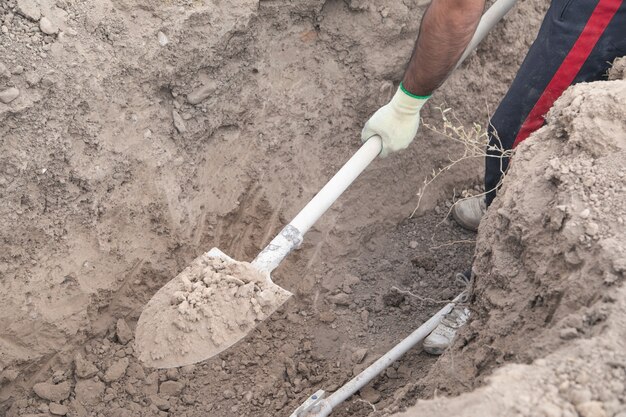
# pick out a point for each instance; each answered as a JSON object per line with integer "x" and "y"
{"x": 408, "y": 93}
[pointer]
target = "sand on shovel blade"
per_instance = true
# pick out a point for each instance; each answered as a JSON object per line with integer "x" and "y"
{"x": 207, "y": 308}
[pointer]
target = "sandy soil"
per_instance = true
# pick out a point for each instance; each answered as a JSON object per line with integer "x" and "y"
{"x": 147, "y": 132}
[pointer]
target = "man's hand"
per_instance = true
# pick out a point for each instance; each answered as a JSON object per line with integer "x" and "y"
{"x": 396, "y": 122}
{"x": 446, "y": 29}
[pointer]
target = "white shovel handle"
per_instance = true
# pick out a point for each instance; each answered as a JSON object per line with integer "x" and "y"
{"x": 337, "y": 184}
{"x": 291, "y": 236}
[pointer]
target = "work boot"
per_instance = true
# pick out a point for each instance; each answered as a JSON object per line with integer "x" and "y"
{"x": 468, "y": 212}
{"x": 443, "y": 335}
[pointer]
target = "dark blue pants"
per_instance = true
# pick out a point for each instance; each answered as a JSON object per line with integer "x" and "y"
{"x": 577, "y": 42}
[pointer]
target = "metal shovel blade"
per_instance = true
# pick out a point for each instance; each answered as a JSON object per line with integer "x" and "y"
{"x": 207, "y": 308}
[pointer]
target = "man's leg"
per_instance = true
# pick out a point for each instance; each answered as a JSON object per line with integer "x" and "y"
{"x": 577, "y": 42}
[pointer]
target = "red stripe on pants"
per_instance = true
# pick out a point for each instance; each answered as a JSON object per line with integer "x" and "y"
{"x": 564, "y": 76}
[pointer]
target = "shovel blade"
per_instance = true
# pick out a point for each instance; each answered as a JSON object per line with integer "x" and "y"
{"x": 190, "y": 320}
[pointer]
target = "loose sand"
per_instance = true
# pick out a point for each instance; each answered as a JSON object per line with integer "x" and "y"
{"x": 208, "y": 307}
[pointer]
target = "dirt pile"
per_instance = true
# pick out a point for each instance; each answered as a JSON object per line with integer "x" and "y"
{"x": 550, "y": 266}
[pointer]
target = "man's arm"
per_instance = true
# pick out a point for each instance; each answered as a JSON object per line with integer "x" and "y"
{"x": 446, "y": 29}
{"x": 445, "y": 32}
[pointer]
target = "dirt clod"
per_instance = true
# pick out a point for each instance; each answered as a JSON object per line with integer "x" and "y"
{"x": 84, "y": 368}
{"x": 116, "y": 370}
{"x": 123, "y": 332}
{"x": 89, "y": 392}
{"x": 52, "y": 392}
{"x": 58, "y": 409}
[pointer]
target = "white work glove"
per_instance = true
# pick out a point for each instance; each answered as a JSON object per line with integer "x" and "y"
{"x": 396, "y": 122}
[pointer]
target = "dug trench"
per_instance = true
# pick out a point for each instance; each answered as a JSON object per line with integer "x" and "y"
{"x": 146, "y": 133}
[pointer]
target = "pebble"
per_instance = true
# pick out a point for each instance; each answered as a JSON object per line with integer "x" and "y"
{"x": 370, "y": 395}
{"x": 117, "y": 370}
{"x": 9, "y": 95}
{"x": 358, "y": 355}
{"x": 568, "y": 333}
{"x": 162, "y": 37}
{"x": 48, "y": 27}
{"x": 58, "y": 409}
{"x": 4, "y": 29}
{"x": 171, "y": 388}
{"x": 341, "y": 299}
{"x": 160, "y": 403}
{"x": 179, "y": 123}
{"x": 202, "y": 93}
{"x": 29, "y": 9}
{"x": 52, "y": 392}
{"x": 172, "y": 374}
{"x": 327, "y": 316}
{"x": 592, "y": 229}
{"x": 413, "y": 244}
{"x": 124, "y": 334}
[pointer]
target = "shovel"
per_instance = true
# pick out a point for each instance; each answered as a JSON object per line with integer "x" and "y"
{"x": 235, "y": 302}
{"x": 164, "y": 340}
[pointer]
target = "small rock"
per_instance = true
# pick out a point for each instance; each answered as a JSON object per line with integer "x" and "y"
{"x": 591, "y": 409}
{"x": 124, "y": 334}
{"x": 9, "y": 95}
{"x": 171, "y": 388}
{"x": 48, "y": 27}
{"x": 592, "y": 229}
{"x": 162, "y": 37}
{"x": 200, "y": 94}
{"x": 58, "y": 409}
{"x": 327, "y": 316}
{"x": 568, "y": 333}
{"x": 227, "y": 394}
{"x": 179, "y": 123}
{"x": 52, "y": 392}
{"x": 89, "y": 391}
{"x": 172, "y": 374}
{"x": 391, "y": 373}
{"x": 29, "y": 9}
{"x": 413, "y": 244}
{"x": 4, "y": 29}
{"x": 370, "y": 395}
{"x": 160, "y": 403}
{"x": 341, "y": 299}
{"x": 117, "y": 370}
{"x": 358, "y": 355}
{"x": 84, "y": 368}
